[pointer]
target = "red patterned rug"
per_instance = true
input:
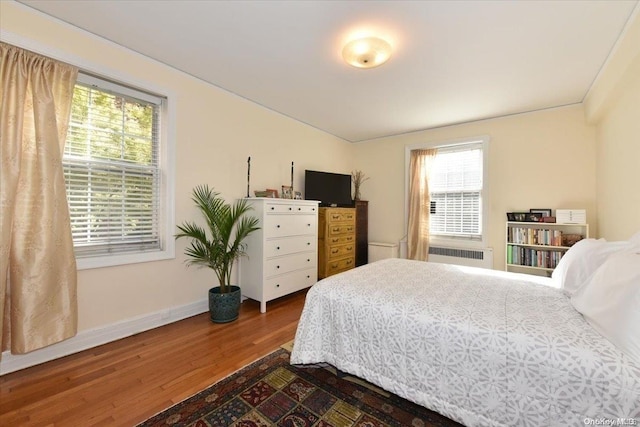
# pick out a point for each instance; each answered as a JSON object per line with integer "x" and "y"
{"x": 271, "y": 392}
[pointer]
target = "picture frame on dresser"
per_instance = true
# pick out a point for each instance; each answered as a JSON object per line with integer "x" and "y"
{"x": 287, "y": 192}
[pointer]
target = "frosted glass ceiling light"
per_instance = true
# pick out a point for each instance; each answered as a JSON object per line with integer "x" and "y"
{"x": 368, "y": 52}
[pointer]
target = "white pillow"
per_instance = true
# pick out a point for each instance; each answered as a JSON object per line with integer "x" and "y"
{"x": 610, "y": 301}
{"x": 582, "y": 260}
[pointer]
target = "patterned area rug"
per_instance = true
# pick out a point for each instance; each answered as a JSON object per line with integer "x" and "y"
{"x": 270, "y": 392}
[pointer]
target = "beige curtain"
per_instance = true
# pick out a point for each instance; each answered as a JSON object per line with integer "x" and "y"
{"x": 418, "y": 228}
{"x": 37, "y": 264}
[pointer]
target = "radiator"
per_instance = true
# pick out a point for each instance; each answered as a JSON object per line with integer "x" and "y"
{"x": 469, "y": 257}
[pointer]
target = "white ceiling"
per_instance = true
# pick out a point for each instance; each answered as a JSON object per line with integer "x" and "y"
{"x": 453, "y": 61}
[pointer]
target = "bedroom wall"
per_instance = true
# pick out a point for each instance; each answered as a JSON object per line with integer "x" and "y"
{"x": 544, "y": 159}
{"x": 613, "y": 106}
{"x": 216, "y": 132}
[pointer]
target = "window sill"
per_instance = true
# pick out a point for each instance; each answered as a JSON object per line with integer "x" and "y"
{"x": 87, "y": 263}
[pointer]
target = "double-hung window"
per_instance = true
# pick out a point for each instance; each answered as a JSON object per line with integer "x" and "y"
{"x": 457, "y": 191}
{"x": 115, "y": 179}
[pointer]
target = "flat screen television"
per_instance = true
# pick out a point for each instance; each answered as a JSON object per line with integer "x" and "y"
{"x": 331, "y": 189}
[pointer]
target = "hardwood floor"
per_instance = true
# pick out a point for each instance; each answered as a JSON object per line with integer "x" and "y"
{"x": 127, "y": 381}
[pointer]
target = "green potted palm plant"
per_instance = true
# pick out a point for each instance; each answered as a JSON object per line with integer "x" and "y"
{"x": 218, "y": 246}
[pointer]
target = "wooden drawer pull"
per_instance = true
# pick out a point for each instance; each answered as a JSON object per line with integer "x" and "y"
{"x": 334, "y": 251}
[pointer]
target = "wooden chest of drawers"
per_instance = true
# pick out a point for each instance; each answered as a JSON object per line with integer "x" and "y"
{"x": 336, "y": 240}
{"x": 282, "y": 255}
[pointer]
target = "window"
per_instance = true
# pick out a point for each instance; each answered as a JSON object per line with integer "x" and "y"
{"x": 114, "y": 175}
{"x": 457, "y": 191}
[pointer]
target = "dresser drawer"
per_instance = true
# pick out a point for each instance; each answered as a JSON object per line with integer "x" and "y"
{"x": 337, "y": 266}
{"x": 289, "y": 245}
{"x": 340, "y": 251}
{"x": 338, "y": 229}
{"x": 347, "y": 215}
{"x": 289, "y": 225}
{"x": 280, "y": 208}
{"x": 276, "y": 287}
{"x": 285, "y": 264}
{"x": 340, "y": 239}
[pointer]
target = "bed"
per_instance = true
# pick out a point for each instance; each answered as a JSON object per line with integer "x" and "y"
{"x": 482, "y": 347}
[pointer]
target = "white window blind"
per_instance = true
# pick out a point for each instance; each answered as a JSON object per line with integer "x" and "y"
{"x": 111, "y": 168}
{"x": 455, "y": 188}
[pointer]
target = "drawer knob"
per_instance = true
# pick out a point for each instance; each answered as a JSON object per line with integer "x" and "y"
{"x": 299, "y": 209}
{"x": 278, "y": 226}
{"x": 334, "y": 251}
{"x": 277, "y": 266}
{"x": 272, "y": 208}
{"x": 308, "y": 277}
{"x": 290, "y": 208}
{"x": 308, "y": 260}
{"x": 278, "y": 285}
{"x": 308, "y": 243}
{"x": 277, "y": 248}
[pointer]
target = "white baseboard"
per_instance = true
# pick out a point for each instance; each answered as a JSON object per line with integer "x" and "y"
{"x": 95, "y": 337}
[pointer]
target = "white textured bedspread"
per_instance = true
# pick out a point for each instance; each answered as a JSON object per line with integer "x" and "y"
{"x": 483, "y": 347}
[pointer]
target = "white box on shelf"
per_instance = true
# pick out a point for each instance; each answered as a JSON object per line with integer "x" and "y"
{"x": 571, "y": 216}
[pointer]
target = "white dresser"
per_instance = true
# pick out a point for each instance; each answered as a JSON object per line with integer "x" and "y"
{"x": 283, "y": 254}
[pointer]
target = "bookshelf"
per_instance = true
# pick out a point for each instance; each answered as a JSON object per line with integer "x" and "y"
{"x": 537, "y": 247}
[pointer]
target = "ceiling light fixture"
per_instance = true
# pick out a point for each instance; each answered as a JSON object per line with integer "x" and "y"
{"x": 368, "y": 52}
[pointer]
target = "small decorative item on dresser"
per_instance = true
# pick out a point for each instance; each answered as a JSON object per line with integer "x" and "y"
{"x": 298, "y": 195}
{"x": 357, "y": 177}
{"x": 287, "y": 192}
{"x": 272, "y": 193}
{"x": 263, "y": 193}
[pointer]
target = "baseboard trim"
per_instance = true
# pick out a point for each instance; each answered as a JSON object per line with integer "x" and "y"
{"x": 98, "y": 336}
